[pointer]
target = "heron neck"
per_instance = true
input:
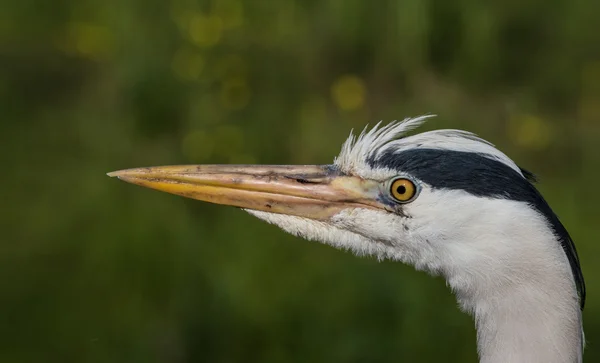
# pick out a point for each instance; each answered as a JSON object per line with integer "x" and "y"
{"x": 527, "y": 334}
{"x": 530, "y": 318}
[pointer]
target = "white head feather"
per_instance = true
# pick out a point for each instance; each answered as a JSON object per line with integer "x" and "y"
{"x": 375, "y": 142}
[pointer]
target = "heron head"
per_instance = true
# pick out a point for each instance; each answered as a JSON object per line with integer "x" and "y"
{"x": 444, "y": 201}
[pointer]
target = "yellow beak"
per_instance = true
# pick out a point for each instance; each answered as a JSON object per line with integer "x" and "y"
{"x": 310, "y": 191}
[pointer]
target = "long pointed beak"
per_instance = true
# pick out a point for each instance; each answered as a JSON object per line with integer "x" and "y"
{"x": 311, "y": 191}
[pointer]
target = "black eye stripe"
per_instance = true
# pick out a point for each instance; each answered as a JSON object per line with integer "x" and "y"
{"x": 480, "y": 176}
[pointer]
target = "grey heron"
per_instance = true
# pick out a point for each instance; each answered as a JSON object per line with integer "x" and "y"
{"x": 444, "y": 201}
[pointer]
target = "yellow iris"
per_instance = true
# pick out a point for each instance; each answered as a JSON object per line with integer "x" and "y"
{"x": 403, "y": 190}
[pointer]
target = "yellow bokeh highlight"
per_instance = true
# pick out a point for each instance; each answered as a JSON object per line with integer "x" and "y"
{"x": 187, "y": 65}
{"x": 198, "y": 146}
{"x": 205, "y": 30}
{"x": 348, "y": 92}
{"x": 235, "y": 93}
{"x": 90, "y": 40}
{"x": 530, "y": 131}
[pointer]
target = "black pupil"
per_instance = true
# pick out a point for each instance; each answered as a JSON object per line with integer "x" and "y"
{"x": 401, "y": 189}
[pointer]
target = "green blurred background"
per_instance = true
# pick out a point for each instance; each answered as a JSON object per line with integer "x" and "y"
{"x": 95, "y": 270}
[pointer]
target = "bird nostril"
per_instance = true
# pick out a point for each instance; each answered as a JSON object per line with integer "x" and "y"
{"x": 305, "y": 181}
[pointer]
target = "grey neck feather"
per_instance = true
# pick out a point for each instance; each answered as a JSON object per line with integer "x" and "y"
{"x": 537, "y": 319}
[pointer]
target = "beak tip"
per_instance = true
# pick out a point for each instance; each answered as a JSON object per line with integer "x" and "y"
{"x": 125, "y": 172}
{"x": 120, "y": 174}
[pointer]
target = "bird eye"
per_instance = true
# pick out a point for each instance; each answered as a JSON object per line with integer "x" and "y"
{"x": 403, "y": 190}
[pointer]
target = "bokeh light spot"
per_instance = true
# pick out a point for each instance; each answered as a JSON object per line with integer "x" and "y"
{"x": 235, "y": 93}
{"x": 205, "y": 30}
{"x": 91, "y": 40}
{"x": 348, "y": 92}
{"x": 531, "y": 132}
